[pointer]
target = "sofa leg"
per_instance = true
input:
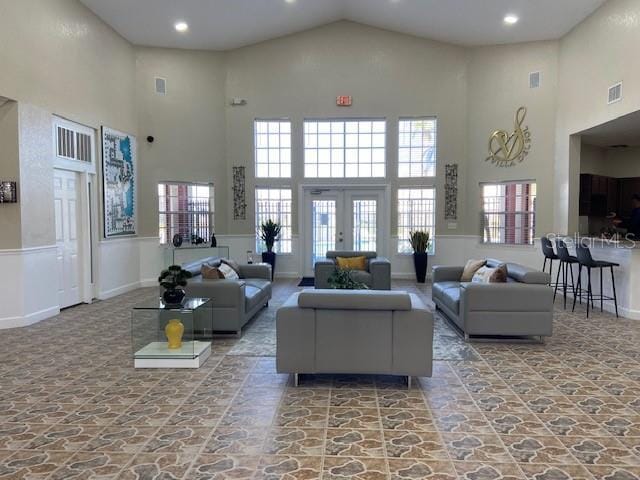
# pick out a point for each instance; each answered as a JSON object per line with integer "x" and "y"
{"x": 238, "y": 333}
{"x": 541, "y": 338}
{"x": 408, "y": 382}
{"x": 466, "y": 337}
{"x": 296, "y": 379}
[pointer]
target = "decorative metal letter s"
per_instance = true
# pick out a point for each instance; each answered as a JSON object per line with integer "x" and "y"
{"x": 506, "y": 149}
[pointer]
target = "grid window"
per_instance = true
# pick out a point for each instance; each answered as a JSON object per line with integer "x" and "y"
{"x": 508, "y": 213}
{"x": 417, "y": 147}
{"x": 273, "y": 148}
{"x": 344, "y": 148}
{"x": 416, "y": 211}
{"x": 365, "y": 225}
{"x": 185, "y": 209}
{"x": 274, "y": 204}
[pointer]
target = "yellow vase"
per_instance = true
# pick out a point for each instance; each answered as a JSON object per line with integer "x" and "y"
{"x": 174, "y": 331}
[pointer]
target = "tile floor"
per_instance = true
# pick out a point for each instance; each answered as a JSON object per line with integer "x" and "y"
{"x": 72, "y": 407}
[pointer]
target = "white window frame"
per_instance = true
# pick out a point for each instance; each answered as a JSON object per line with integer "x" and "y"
{"x": 210, "y": 213}
{"x": 278, "y": 162}
{"x": 72, "y": 162}
{"x": 335, "y": 154}
{"x": 419, "y": 168}
{"x": 403, "y": 246}
{"x": 284, "y": 217}
{"x": 502, "y": 210}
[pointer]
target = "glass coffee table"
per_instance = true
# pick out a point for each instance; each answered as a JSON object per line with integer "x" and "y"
{"x": 149, "y": 340}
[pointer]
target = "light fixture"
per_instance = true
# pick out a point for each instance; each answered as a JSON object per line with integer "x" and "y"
{"x": 511, "y": 19}
{"x": 290, "y": 1}
{"x": 8, "y": 192}
{"x": 181, "y": 27}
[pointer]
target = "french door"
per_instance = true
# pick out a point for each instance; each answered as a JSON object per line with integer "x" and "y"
{"x": 67, "y": 216}
{"x": 342, "y": 219}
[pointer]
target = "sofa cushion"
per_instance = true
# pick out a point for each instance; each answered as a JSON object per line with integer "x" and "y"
{"x": 252, "y": 297}
{"x": 352, "y": 263}
{"x": 362, "y": 277}
{"x": 449, "y": 294}
{"x": 471, "y": 268}
{"x": 491, "y": 275}
{"x": 258, "y": 283}
{"x": 355, "y": 299}
{"x": 523, "y": 274}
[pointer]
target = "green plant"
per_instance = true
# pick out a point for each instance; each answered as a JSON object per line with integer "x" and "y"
{"x": 341, "y": 279}
{"x": 420, "y": 241}
{"x": 269, "y": 233}
{"x": 174, "y": 277}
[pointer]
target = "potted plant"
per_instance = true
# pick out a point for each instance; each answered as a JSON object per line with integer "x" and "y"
{"x": 270, "y": 233}
{"x": 341, "y": 279}
{"x": 420, "y": 243}
{"x": 173, "y": 280}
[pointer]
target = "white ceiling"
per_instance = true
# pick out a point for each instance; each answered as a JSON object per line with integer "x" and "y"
{"x": 227, "y": 24}
{"x": 623, "y": 130}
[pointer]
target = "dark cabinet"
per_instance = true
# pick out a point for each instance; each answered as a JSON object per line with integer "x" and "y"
{"x": 612, "y": 195}
{"x": 627, "y": 188}
{"x": 599, "y": 195}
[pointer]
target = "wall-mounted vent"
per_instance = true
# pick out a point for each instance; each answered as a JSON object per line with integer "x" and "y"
{"x": 161, "y": 85}
{"x": 534, "y": 79}
{"x": 615, "y": 93}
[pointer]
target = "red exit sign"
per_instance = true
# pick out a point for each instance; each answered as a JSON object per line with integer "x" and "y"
{"x": 343, "y": 100}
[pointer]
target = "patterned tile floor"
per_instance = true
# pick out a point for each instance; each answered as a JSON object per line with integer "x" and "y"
{"x": 72, "y": 407}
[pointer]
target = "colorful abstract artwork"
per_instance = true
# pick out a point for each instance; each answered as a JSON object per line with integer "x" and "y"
{"x": 119, "y": 182}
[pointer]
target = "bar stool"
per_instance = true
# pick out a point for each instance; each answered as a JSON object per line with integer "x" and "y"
{"x": 567, "y": 261}
{"x": 549, "y": 254}
{"x": 586, "y": 260}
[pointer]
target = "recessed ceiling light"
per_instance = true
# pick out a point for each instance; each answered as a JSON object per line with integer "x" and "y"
{"x": 290, "y": 1}
{"x": 181, "y": 27}
{"x": 511, "y": 19}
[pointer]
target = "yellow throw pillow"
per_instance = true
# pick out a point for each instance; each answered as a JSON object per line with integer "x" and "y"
{"x": 470, "y": 269}
{"x": 352, "y": 263}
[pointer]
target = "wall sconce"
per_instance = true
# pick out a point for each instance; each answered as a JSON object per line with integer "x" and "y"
{"x": 8, "y": 192}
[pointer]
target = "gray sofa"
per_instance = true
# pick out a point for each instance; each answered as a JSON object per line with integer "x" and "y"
{"x": 377, "y": 275}
{"x": 354, "y": 331}
{"x": 521, "y": 307}
{"x": 233, "y": 302}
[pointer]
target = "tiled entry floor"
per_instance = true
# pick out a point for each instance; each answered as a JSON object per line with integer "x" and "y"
{"x": 71, "y": 406}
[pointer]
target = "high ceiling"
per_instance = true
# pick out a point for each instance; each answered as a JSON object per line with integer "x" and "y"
{"x": 623, "y": 130}
{"x": 227, "y": 24}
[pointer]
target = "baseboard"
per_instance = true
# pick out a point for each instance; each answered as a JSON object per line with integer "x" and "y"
{"x": 148, "y": 282}
{"x": 35, "y": 317}
{"x": 114, "y": 292}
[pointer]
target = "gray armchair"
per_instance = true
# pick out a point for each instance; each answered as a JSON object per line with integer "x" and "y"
{"x": 377, "y": 275}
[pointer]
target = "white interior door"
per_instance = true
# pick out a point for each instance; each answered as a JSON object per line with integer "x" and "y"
{"x": 68, "y": 247}
{"x": 342, "y": 219}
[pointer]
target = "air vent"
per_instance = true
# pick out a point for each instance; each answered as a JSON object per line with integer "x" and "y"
{"x": 534, "y": 79}
{"x": 615, "y": 93}
{"x": 161, "y": 86}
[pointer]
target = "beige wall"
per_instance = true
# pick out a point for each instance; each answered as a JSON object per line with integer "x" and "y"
{"x": 188, "y": 124}
{"x": 596, "y": 54}
{"x": 498, "y": 85}
{"x": 10, "y": 225}
{"x": 388, "y": 74}
{"x": 610, "y": 162}
{"x": 592, "y": 159}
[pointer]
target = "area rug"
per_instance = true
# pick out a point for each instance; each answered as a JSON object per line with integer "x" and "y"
{"x": 259, "y": 339}
{"x": 307, "y": 282}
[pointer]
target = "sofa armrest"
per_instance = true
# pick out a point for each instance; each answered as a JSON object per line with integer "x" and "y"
{"x": 322, "y": 270}
{"x": 505, "y": 297}
{"x": 223, "y": 293}
{"x": 380, "y": 269}
{"x": 441, "y": 273}
{"x": 256, "y": 270}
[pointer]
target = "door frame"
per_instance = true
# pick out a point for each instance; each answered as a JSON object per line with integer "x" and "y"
{"x": 304, "y": 217}
{"x": 87, "y": 198}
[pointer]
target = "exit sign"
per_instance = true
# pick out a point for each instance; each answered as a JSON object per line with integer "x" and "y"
{"x": 343, "y": 100}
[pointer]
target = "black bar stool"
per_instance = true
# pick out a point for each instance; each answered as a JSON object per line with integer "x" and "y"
{"x": 586, "y": 260}
{"x": 549, "y": 254}
{"x": 567, "y": 261}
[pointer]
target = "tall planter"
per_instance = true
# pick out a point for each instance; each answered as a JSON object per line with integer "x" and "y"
{"x": 270, "y": 258}
{"x": 420, "y": 261}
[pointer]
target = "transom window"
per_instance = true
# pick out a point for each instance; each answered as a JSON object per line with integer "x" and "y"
{"x": 185, "y": 209}
{"x": 508, "y": 213}
{"x": 344, "y": 148}
{"x": 416, "y": 211}
{"x": 417, "y": 147}
{"x": 274, "y": 204}
{"x": 272, "y": 148}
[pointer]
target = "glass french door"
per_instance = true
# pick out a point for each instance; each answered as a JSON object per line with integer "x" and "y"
{"x": 348, "y": 219}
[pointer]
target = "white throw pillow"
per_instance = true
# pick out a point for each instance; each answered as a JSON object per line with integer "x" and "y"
{"x": 228, "y": 272}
